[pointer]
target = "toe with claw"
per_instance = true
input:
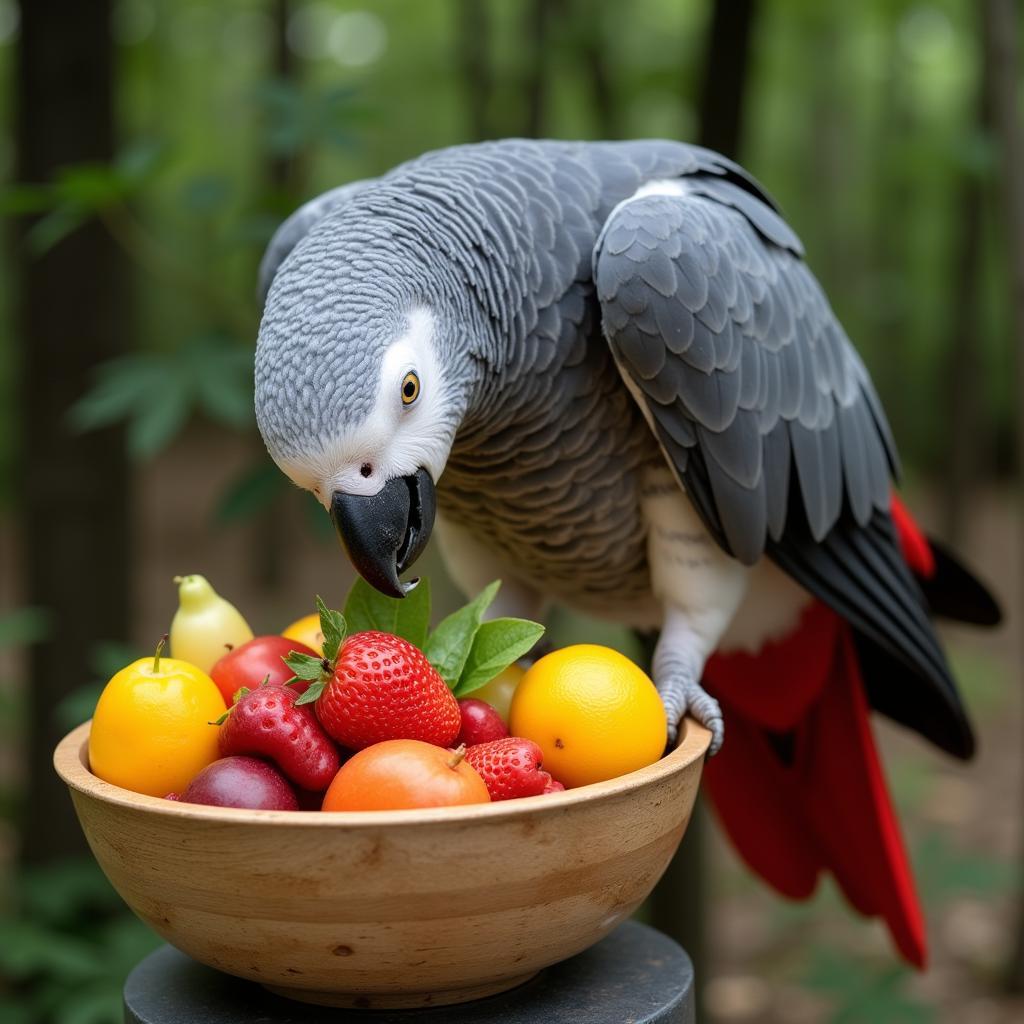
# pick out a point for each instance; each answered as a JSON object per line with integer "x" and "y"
{"x": 683, "y": 697}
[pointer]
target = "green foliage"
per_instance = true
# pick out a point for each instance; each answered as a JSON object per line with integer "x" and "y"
{"x": 984, "y": 679}
{"x": 66, "y": 947}
{"x": 105, "y": 659}
{"x": 861, "y": 992}
{"x": 495, "y": 646}
{"x": 156, "y": 392}
{"x": 297, "y": 119}
{"x": 81, "y": 191}
{"x": 23, "y": 626}
{"x": 448, "y": 647}
{"x": 466, "y": 651}
{"x": 367, "y": 608}
{"x": 945, "y": 871}
{"x": 254, "y": 490}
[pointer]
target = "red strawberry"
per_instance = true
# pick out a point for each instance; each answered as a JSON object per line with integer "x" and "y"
{"x": 510, "y": 767}
{"x": 265, "y": 721}
{"x": 383, "y": 688}
{"x": 554, "y": 786}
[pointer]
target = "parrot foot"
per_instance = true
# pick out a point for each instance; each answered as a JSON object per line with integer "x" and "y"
{"x": 682, "y": 696}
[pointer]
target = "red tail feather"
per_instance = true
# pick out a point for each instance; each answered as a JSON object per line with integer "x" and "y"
{"x": 914, "y": 544}
{"x": 816, "y": 800}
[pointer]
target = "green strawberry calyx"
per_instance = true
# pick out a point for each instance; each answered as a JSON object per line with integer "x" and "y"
{"x": 318, "y": 672}
{"x": 236, "y": 698}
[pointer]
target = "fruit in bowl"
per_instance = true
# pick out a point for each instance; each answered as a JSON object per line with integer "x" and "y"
{"x": 341, "y": 903}
{"x": 240, "y": 782}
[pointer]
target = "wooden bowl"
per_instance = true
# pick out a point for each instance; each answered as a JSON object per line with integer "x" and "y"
{"x": 389, "y": 908}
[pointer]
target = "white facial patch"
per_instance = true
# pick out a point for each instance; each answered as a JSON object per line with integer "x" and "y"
{"x": 396, "y": 438}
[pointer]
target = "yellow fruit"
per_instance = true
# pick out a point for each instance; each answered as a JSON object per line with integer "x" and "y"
{"x": 498, "y": 692}
{"x": 205, "y": 626}
{"x": 593, "y": 713}
{"x": 307, "y": 631}
{"x": 151, "y": 732}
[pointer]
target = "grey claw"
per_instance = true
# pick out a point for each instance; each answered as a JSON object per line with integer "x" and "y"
{"x": 695, "y": 702}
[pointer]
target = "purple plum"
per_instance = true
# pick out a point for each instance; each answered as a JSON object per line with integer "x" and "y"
{"x": 241, "y": 782}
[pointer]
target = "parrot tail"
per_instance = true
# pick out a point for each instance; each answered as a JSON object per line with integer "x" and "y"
{"x": 950, "y": 588}
{"x": 799, "y": 787}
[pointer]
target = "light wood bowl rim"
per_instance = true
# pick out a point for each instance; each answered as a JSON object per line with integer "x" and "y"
{"x": 71, "y": 757}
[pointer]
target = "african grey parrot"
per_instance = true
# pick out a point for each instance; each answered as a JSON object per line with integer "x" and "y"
{"x": 632, "y": 398}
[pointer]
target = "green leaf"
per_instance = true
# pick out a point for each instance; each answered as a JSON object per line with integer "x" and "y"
{"x": 24, "y": 626}
{"x": 250, "y": 493}
{"x": 448, "y": 647}
{"x": 367, "y": 608}
{"x": 333, "y": 627}
{"x": 99, "y": 1003}
{"x": 52, "y": 228}
{"x": 314, "y": 691}
{"x": 305, "y": 666}
{"x": 206, "y": 194}
{"x": 155, "y": 426}
{"x": 27, "y": 949}
{"x": 496, "y": 645}
{"x": 78, "y": 706}
{"x": 21, "y": 199}
{"x": 407, "y": 617}
{"x": 140, "y": 160}
{"x": 122, "y": 387}
{"x": 220, "y": 375}
{"x": 413, "y": 620}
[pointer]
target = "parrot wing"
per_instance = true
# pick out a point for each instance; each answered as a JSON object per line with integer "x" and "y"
{"x": 292, "y": 230}
{"x": 767, "y": 415}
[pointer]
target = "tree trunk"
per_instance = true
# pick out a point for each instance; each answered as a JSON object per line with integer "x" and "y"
{"x": 269, "y": 541}
{"x": 74, "y": 512}
{"x": 473, "y": 59}
{"x": 537, "y": 24}
{"x": 1001, "y": 28}
{"x": 966, "y": 433}
{"x": 897, "y": 196}
{"x": 594, "y": 53}
{"x": 283, "y": 168}
{"x": 726, "y": 70}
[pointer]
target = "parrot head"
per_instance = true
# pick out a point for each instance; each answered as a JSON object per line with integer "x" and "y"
{"x": 358, "y": 397}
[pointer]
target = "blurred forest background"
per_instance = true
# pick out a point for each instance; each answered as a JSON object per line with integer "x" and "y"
{"x": 148, "y": 148}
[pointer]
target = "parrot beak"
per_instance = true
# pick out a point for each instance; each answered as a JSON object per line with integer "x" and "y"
{"x": 384, "y": 533}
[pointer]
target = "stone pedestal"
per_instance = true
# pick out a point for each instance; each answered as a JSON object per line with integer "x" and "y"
{"x": 636, "y": 974}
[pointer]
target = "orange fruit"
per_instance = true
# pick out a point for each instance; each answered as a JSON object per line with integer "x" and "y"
{"x": 396, "y": 774}
{"x": 307, "y": 631}
{"x": 151, "y": 731}
{"x": 592, "y": 711}
{"x": 498, "y": 692}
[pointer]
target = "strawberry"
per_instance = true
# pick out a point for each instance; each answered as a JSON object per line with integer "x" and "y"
{"x": 510, "y": 767}
{"x": 375, "y": 686}
{"x": 383, "y": 688}
{"x": 554, "y": 786}
{"x": 266, "y": 721}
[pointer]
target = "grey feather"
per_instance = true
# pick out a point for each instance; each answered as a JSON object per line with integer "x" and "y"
{"x": 753, "y": 358}
{"x": 298, "y": 225}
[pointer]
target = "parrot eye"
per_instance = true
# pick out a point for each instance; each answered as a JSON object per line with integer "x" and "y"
{"x": 410, "y": 388}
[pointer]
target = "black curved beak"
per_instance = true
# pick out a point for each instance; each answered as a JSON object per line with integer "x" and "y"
{"x": 384, "y": 533}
